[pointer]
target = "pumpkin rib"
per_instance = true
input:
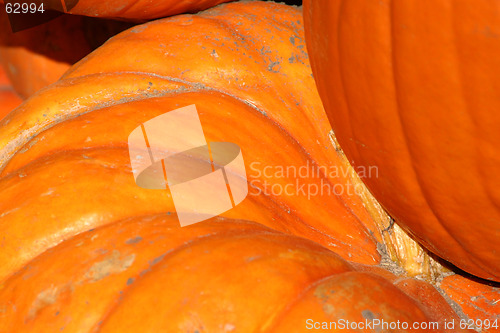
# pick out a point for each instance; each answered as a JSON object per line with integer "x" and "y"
{"x": 404, "y": 137}
{"x": 14, "y": 172}
{"x": 11, "y": 145}
{"x": 300, "y": 296}
{"x": 106, "y": 220}
{"x": 242, "y": 227}
{"x": 200, "y": 87}
{"x": 54, "y": 157}
{"x": 343, "y": 84}
{"x": 197, "y": 87}
{"x": 356, "y": 151}
{"x": 231, "y": 237}
{"x": 172, "y": 252}
{"x": 436, "y": 148}
{"x": 461, "y": 72}
{"x": 414, "y": 170}
{"x": 418, "y": 177}
{"x": 307, "y": 289}
{"x": 151, "y": 215}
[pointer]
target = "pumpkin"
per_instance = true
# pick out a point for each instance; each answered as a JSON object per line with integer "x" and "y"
{"x": 67, "y": 191}
{"x": 68, "y": 124}
{"x": 222, "y": 275}
{"x": 412, "y": 87}
{"x": 8, "y": 98}
{"x": 474, "y": 300}
{"x": 37, "y": 57}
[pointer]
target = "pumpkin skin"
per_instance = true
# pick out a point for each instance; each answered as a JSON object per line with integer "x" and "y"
{"x": 270, "y": 282}
{"x": 475, "y": 298}
{"x": 68, "y": 145}
{"x": 412, "y": 87}
{"x": 8, "y": 98}
{"x": 36, "y": 57}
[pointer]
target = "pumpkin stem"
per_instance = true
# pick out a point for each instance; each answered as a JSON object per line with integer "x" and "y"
{"x": 401, "y": 254}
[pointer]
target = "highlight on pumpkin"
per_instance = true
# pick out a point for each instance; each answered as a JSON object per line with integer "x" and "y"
{"x": 244, "y": 166}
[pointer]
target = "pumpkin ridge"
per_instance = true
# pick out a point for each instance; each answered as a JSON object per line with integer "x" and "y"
{"x": 55, "y": 156}
{"x": 303, "y": 223}
{"x": 231, "y": 235}
{"x": 405, "y": 137}
{"x": 9, "y": 148}
{"x": 201, "y": 86}
{"x": 304, "y": 292}
{"x": 196, "y": 85}
{"x": 267, "y": 230}
{"x": 290, "y": 304}
{"x": 442, "y": 58}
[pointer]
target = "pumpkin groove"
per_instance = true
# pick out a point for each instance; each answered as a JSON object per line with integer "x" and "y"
{"x": 412, "y": 87}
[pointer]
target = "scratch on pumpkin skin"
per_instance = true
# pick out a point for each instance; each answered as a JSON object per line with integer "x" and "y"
{"x": 133, "y": 240}
{"x": 323, "y": 293}
{"x": 47, "y": 297}
{"x": 111, "y": 265}
{"x": 9, "y": 212}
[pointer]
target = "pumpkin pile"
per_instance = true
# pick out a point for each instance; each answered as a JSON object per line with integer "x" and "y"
{"x": 83, "y": 248}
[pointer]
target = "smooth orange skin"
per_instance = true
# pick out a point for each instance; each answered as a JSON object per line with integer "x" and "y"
{"x": 412, "y": 88}
{"x": 148, "y": 274}
{"x": 84, "y": 121}
{"x": 37, "y": 57}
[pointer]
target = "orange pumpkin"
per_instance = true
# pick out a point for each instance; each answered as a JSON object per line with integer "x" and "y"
{"x": 37, "y": 57}
{"x": 8, "y": 98}
{"x": 412, "y": 87}
{"x": 67, "y": 191}
{"x": 147, "y": 274}
{"x": 177, "y": 63}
